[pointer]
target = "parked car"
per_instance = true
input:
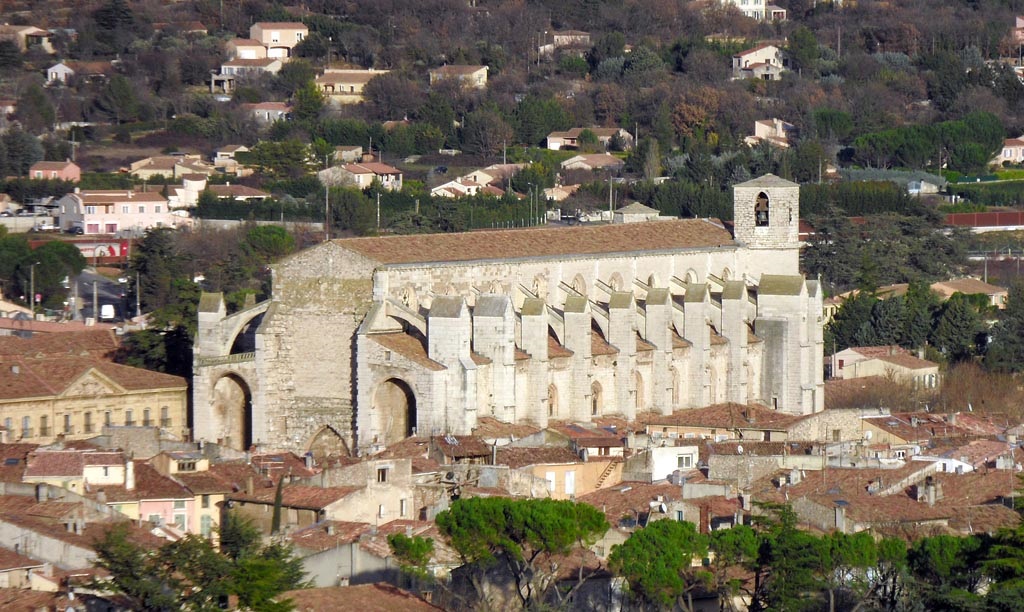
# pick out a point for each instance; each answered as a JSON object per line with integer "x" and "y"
{"x": 5, "y": 213}
{"x": 45, "y": 227}
{"x": 77, "y": 230}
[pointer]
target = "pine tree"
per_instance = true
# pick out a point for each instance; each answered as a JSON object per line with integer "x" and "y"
{"x": 1006, "y": 352}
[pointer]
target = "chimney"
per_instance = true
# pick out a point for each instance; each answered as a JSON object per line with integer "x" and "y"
{"x": 129, "y": 475}
{"x": 131, "y": 194}
{"x": 249, "y": 486}
{"x": 15, "y": 369}
{"x": 330, "y": 529}
{"x": 41, "y": 493}
{"x": 929, "y": 490}
{"x": 101, "y": 496}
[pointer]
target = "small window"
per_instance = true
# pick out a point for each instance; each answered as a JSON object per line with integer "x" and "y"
{"x": 67, "y": 424}
{"x": 124, "y": 209}
{"x": 107, "y": 418}
{"x": 142, "y": 209}
{"x": 382, "y": 474}
{"x": 145, "y": 417}
{"x": 179, "y": 504}
{"x": 684, "y": 461}
{"x": 128, "y": 420}
{"x": 205, "y": 501}
{"x": 158, "y": 209}
{"x": 403, "y": 507}
{"x": 380, "y": 511}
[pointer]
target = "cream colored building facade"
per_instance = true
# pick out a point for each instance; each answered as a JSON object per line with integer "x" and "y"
{"x": 81, "y": 395}
{"x": 369, "y": 340}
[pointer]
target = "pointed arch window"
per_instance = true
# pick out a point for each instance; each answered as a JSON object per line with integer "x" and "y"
{"x": 761, "y": 210}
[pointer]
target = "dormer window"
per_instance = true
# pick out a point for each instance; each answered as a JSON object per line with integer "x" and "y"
{"x": 761, "y": 210}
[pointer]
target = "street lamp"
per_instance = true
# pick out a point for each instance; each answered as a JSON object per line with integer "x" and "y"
{"x": 32, "y": 288}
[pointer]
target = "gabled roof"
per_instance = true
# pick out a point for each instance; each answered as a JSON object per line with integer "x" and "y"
{"x": 453, "y": 70}
{"x": 282, "y": 25}
{"x": 541, "y": 242}
{"x": 365, "y": 598}
{"x": 298, "y": 496}
{"x": 727, "y": 416}
{"x": 767, "y": 181}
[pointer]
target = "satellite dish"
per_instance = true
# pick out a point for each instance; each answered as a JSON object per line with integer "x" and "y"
{"x": 663, "y": 508}
{"x": 867, "y": 435}
{"x": 739, "y": 448}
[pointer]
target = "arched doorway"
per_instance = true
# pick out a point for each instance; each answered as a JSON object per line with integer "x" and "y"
{"x": 327, "y": 442}
{"x": 395, "y": 406}
{"x": 232, "y": 410}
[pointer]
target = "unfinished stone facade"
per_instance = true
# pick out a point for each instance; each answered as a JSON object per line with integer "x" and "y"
{"x": 366, "y": 341}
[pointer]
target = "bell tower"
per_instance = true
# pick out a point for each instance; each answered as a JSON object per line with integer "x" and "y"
{"x": 766, "y": 213}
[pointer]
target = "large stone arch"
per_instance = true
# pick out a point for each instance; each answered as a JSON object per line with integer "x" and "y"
{"x": 245, "y": 338}
{"x": 235, "y": 325}
{"x": 394, "y": 405}
{"x": 232, "y": 411}
{"x": 327, "y": 442}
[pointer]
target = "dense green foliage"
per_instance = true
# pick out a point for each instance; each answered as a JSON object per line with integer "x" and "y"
{"x": 190, "y": 574}
{"x": 523, "y": 536}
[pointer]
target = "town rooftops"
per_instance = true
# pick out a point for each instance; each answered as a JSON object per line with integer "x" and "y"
{"x": 87, "y": 341}
{"x": 376, "y": 168}
{"x": 726, "y": 416}
{"x": 254, "y": 62}
{"x": 753, "y": 50}
{"x": 281, "y": 25}
{"x": 328, "y": 534}
{"x": 542, "y": 242}
{"x": 47, "y": 166}
{"x": 517, "y": 457}
{"x": 298, "y": 496}
{"x": 365, "y": 598}
{"x": 25, "y": 378}
{"x": 268, "y": 106}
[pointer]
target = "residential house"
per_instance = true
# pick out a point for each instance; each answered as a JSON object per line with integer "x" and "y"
{"x": 170, "y": 166}
{"x": 344, "y": 86}
{"x": 148, "y": 495}
{"x": 238, "y": 193}
{"x": 758, "y": 9}
{"x": 570, "y": 139}
{"x": 775, "y": 132}
{"x": 208, "y": 488}
{"x": 245, "y": 48}
{"x": 59, "y": 530}
{"x": 967, "y": 285}
{"x": 241, "y": 67}
{"x": 474, "y": 77}
{"x": 363, "y": 174}
{"x": 903, "y": 435}
{"x": 16, "y": 569}
{"x": 348, "y": 153}
{"x": 224, "y": 160}
{"x": 466, "y": 450}
{"x": 74, "y": 469}
{"x": 64, "y": 71}
{"x": 280, "y": 38}
{"x": 27, "y": 37}
{"x": 495, "y": 174}
{"x": 893, "y": 362}
{"x": 560, "y": 471}
{"x": 1013, "y": 151}
{"x": 570, "y": 38}
{"x": 268, "y": 112}
{"x": 722, "y": 422}
{"x": 636, "y": 213}
{"x": 62, "y": 171}
{"x": 975, "y": 455}
{"x": 594, "y": 161}
{"x": 45, "y": 392}
{"x": 765, "y": 62}
{"x": 457, "y": 188}
{"x": 112, "y": 211}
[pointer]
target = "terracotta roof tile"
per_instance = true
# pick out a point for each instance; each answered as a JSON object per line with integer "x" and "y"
{"x": 543, "y": 242}
{"x": 727, "y": 416}
{"x": 365, "y": 598}
{"x": 490, "y": 427}
{"x": 628, "y": 500}
{"x": 516, "y": 457}
{"x": 298, "y": 496}
{"x": 407, "y": 346}
{"x": 458, "y": 447}
{"x": 328, "y": 534}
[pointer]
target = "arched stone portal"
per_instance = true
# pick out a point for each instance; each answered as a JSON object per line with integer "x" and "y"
{"x": 327, "y": 443}
{"x": 395, "y": 406}
{"x": 232, "y": 411}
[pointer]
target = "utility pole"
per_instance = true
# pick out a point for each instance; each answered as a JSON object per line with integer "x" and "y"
{"x": 138, "y": 308}
{"x": 327, "y": 206}
{"x": 95, "y": 303}
{"x": 378, "y": 212}
{"x": 32, "y": 289}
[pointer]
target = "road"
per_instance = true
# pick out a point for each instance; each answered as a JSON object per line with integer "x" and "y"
{"x": 107, "y": 292}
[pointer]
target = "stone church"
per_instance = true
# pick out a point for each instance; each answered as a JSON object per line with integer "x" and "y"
{"x": 369, "y": 340}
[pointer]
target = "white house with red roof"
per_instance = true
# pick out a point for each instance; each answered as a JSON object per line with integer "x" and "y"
{"x": 363, "y": 174}
{"x": 1013, "y": 151}
{"x": 891, "y": 361}
{"x": 761, "y": 62}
